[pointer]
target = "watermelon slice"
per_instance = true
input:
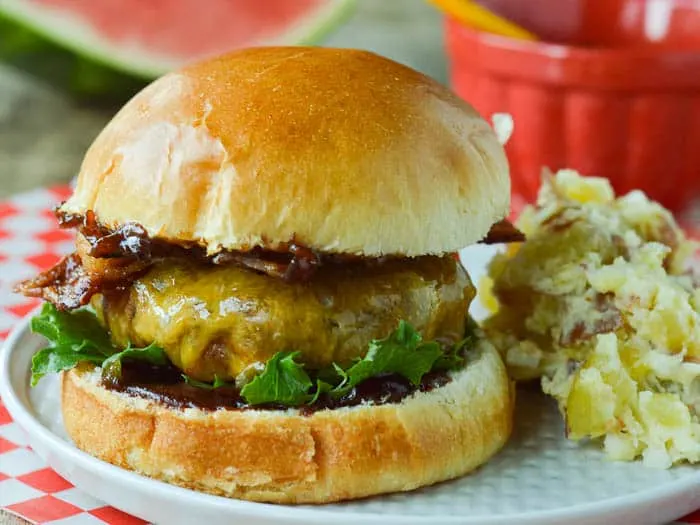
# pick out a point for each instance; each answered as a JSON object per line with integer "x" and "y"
{"x": 146, "y": 38}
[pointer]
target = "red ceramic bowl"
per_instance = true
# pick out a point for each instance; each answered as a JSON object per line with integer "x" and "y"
{"x": 614, "y": 90}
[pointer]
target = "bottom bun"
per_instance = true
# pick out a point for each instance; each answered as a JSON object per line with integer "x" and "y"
{"x": 285, "y": 457}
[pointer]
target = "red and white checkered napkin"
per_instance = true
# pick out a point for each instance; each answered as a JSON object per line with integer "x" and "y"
{"x": 30, "y": 242}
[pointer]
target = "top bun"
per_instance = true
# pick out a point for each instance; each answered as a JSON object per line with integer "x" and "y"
{"x": 339, "y": 150}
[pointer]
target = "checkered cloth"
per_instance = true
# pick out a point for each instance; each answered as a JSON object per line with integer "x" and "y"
{"x": 30, "y": 242}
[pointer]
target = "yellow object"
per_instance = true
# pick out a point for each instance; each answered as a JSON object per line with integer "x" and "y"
{"x": 478, "y": 17}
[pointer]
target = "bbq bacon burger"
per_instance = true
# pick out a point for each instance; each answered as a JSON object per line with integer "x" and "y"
{"x": 264, "y": 300}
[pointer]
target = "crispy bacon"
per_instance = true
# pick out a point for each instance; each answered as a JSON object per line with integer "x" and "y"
{"x": 76, "y": 278}
{"x": 129, "y": 240}
{"x": 270, "y": 267}
{"x": 298, "y": 264}
{"x": 132, "y": 240}
{"x": 503, "y": 232}
{"x": 609, "y": 320}
{"x": 109, "y": 259}
{"x": 73, "y": 281}
{"x": 67, "y": 285}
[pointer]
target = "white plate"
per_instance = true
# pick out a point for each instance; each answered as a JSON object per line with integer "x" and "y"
{"x": 540, "y": 477}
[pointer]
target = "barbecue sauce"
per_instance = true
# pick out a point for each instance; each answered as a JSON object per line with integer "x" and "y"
{"x": 165, "y": 385}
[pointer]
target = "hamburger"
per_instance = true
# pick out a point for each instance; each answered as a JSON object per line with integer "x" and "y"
{"x": 264, "y": 301}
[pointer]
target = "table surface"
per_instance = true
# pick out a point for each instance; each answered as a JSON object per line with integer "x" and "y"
{"x": 10, "y": 519}
{"x": 44, "y": 134}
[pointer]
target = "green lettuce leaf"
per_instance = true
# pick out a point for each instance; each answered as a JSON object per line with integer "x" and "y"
{"x": 56, "y": 359}
{"x": 218, "y": 382}
{"x": 74, "y": 337}
{"x": 283, "y": 381}
{"x": 403, "y": 352}
{"x": 77, "y": 337}
{"x": 79, "y": 331}
{"x": 321, "y": 388}
{"x": 112, "y": 366}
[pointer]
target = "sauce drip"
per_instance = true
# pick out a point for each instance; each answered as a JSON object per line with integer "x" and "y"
{"x": 165, "y": 385}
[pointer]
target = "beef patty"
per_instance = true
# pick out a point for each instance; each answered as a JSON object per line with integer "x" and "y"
{"x": 221, "y": 320}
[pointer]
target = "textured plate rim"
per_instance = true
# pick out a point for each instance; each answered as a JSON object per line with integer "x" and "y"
{"x": 119, "y": 476}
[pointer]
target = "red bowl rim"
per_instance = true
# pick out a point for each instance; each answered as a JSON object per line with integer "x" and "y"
{"x": 613, "y": 68}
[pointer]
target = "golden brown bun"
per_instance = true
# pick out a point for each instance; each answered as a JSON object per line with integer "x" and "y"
{"x": 284, "y": 457}
{"x": 343, "y": 150}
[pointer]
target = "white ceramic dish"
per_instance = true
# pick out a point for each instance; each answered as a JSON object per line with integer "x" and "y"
{"x": 540, "y": 478}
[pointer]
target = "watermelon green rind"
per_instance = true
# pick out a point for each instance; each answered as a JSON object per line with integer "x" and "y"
{"x": 313, "y": 32}
{"x": 82, "y": 40}
{"x": 88, "y": 81}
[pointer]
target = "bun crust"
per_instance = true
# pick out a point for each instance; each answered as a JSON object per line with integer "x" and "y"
{"x": 284, "y": 457}
{"x": 340, "y": 150}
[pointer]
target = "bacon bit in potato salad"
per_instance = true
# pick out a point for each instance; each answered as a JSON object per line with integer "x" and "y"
{"x": 599, "y": 303}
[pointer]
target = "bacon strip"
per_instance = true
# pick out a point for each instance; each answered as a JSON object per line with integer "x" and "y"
{"x": 299, "y": 264}
{"x": 112, "y": 259}
{"x": 76, "y": 278}
{"x": 132, "y": 240}
{"x": 266, "y": 266}
{"x": 67, "y": 285}
{"x": 129, "y": 240}
{"x": 503, "y": 232}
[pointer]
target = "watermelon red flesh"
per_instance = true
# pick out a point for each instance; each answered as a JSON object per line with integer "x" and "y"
{"x": 147, "y": 38}
{"x": 188, "y": 29}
